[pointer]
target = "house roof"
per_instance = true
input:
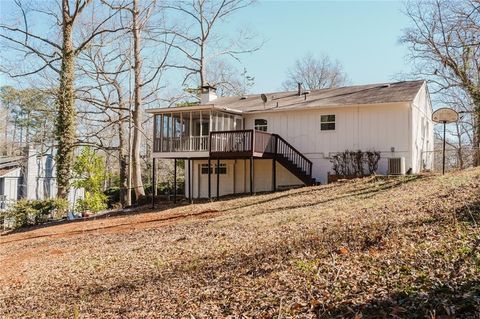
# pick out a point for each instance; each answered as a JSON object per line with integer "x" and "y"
{"x": 5, "y": 171}
{"x": 349, "y": 95}
{"x": 9, "y": 164}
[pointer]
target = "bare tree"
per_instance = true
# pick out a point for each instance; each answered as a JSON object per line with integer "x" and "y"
{"x": 228, "y": 80}
{"x": 444, "y": 42}
{"x": 315, "y": 73}
{"x": 144, "y": 20}
{"x": 106, "y": 112}
{"x": 57, "y": 55}
{"x": 204, "y": 46}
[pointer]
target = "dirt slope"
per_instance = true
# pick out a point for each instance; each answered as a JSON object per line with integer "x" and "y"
{"x": 403, "y": 247}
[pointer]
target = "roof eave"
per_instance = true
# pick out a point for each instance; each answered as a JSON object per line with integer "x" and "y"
{"x": 192, "y": 108}
{"x": 331, "y": 106}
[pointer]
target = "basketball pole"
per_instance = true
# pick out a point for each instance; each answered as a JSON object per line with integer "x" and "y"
{"x": 443, "y": 165}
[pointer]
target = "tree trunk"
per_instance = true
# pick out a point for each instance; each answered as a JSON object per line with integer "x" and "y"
{"x": 7, "y": 118}
{"x": 65, "y": 124}
{"x": 203, "y": 80}
{"x": 476, "y": 128}
{"x": 476, "y": 139}
{"x": 122, "y": 156}
{"x": 122, "y": 149}
{"x": 137, "y": 111}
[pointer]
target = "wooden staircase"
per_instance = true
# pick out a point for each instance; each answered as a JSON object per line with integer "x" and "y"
{"x": 252, "y": 143}
{"x": 293, "y": 160}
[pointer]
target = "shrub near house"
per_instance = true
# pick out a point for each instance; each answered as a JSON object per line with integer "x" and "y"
{"x": 353, "y": 164}
{"x": 33, "y": 212}
{"x": 90, "y": 174}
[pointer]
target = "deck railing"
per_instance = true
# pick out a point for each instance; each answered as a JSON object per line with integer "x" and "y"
{"x": 181, "y": 144}
{"x": 236, "y": 143}
{"x": 231, "y": 142}
{"x": 285, "y": 149}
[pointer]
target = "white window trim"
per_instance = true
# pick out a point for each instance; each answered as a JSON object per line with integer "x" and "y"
{"x": 214, "y": 166}
{"x": 334, "y": 122}
{"x": 255, "y": 125}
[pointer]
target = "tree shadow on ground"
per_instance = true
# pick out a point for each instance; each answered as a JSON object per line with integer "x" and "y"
{"x": 441, "y": 299}
{"x": 363, "y": 192}
{"x": 110, "y": 214}
{"x": 369, "y": 190}
{"x": 470, "y": 213}
{"x": 447, "y": 300}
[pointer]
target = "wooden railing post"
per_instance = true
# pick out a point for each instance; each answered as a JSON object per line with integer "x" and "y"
{"x": 209, "y": 143}
{"x": 252, "y": 148}
{"x": 274, "y": 163}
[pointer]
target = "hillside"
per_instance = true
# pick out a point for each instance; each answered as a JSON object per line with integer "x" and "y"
{"x": 398, "y": 247}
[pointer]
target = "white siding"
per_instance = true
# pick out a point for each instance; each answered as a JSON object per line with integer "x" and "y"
{"x": 11, "y": 186}
{"x": 237, "y": 179}
{"x": 402, "y": 129}
{"x": 375, "y": 127}
{"x": 422, "y": 132}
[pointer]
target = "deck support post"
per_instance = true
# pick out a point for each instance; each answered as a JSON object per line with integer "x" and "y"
{"x": 274, "y": 174}
{"x": 209, "y": 179}
{"x": 175, "y": 181}
{"x": 217, "y": 170}
{"x": 190, "y": 197}
{"x": 274, "y": 163}
{"x": 251, "y": 176}
{"x": 154, "y": 181}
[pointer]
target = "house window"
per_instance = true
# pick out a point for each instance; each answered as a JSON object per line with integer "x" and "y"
{"x": 221, "y": 170}
{"x": 327, "y": 122}
{"x": 261, "y": 125}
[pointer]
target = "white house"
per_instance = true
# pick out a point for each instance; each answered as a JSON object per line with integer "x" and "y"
{"x": 31, "y": 176}
{"x": 263, "y": 142}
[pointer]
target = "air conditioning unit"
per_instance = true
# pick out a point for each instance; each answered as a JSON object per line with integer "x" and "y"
{"x": 396, "y": 166}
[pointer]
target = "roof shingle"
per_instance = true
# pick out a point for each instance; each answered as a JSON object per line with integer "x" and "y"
{"x": 349, "y": 95}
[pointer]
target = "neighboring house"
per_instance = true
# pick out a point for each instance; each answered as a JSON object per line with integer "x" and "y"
{"x": 263, "y": 142}
{"x": 31, "y": 177}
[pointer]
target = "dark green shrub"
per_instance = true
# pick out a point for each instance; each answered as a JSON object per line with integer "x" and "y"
{"x": 113, "y": 196}
{"x": 33, "y": 212}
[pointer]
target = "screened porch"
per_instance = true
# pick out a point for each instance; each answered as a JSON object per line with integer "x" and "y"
{"x": 188, "y": 131}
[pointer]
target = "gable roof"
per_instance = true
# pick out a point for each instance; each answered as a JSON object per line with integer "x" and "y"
{"x": 9, "y": 164}
{"x": 369, "y": 94}
{"x": 10, "y": 161}
{"x": 349, "y": 95}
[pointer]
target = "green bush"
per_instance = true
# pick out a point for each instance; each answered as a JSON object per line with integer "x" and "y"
{"x": 33, "y": 212}
{"x": 90, "y": 174}
{"x": 93, "y": 202}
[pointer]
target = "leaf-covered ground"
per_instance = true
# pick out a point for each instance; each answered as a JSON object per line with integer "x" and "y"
{"x": 398, "y": 247}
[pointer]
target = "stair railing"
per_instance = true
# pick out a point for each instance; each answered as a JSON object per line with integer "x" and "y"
{"x": 253, "y": 141}
{"x": 285, "y": 149}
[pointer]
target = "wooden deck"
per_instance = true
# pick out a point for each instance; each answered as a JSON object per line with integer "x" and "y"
{"x": 259, "y": 144}
{"x": 242, "y": 144}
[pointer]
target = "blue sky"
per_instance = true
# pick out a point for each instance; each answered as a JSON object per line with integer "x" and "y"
{"x": 362, "y": 35}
